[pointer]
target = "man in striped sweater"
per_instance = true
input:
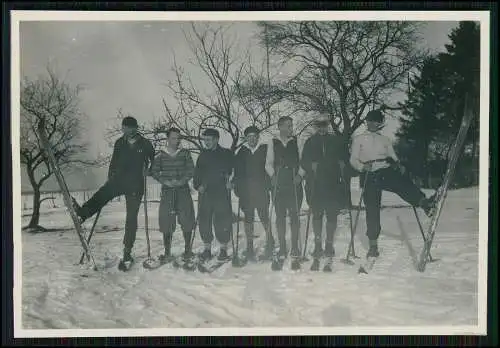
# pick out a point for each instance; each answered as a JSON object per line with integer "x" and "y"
{"x": 173, "y": 167}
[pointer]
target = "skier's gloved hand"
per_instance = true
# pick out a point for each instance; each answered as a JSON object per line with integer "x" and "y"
{"x": 201, "y": 189}
{"x": 232, "y": 185}
{"x": 314, "y": 166}
{"x": 342, "y": 166}
{"x": 274, "y": 180}
{"x": 390, "y": 160}
{"x": 297, "y": 179}
{"x": 367, "y": 167}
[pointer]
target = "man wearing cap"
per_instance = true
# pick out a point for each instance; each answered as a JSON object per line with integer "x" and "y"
{"x": 323, "y": 162}
{"x": 373, "y": 155}
{"x": 252, "y": 185}
{"x": 282, "y": 165}
{"x": 212, "y": 175}
{"x": 132, "y": 156}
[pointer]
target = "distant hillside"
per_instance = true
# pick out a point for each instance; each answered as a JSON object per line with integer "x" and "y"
{"x": 76, "y": 180}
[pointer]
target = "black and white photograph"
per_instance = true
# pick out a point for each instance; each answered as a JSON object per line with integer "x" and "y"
{"x": 250, "y": 173}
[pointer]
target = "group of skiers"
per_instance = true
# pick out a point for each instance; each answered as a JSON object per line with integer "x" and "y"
{"x": 260, "y": 175}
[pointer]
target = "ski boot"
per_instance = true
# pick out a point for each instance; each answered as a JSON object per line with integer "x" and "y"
{"x": 268, "y": 252}
{"x": 372, "y": 250}
{"x": 126, "y": 262}
{"x": 329, "y": 253}
{"x": 317, "y": 253}
{"x": 78, "y": 210}
{"x": 295, "y": 264}
{"x": 165, "y": 258}
{"x": 222, "y": 255}
{"x": 371, "y": 257}
{"x": 278, "y": 260}
{"x": 206, "y": 255}
{"x": 428, "y": 205}
{"x": 188, "y": 261}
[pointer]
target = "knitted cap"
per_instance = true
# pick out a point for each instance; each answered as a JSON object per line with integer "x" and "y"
{"x": 375, "y": 116}
{"x": 129, "y": 121}
{"x": 251, "y": 130}
{"x": 211, "y": 132}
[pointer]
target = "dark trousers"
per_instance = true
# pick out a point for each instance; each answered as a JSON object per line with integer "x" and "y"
{"x": 329, "y": 205}
{"x": 391, "y": 180}
{"x": 216, "y": 210}
{"x": 176, "y": 204}
{"x": 112, "y": 189}
{"x": 256, "y": 198}
{"x": 288, "y": 200}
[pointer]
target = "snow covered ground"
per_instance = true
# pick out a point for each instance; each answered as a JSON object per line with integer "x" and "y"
{"x": 56, "y": 294}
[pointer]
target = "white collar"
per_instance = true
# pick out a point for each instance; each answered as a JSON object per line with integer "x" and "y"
{"x": 254, "y": 149}
{"x": 286, "y": 141}
{"x": 166, "y": 150}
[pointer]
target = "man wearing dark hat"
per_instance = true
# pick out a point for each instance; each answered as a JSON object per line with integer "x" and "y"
{"x": 132, "y": 156}
{"x": 373, "y": 155}
{"x": 283, "y": 166}
{"x": 323, "y": 161}
{"x": 212, "y": 174}
{"x": 252, "y": 185}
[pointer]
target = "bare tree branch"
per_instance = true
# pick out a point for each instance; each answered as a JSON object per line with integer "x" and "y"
{"x": 56, "y": 102}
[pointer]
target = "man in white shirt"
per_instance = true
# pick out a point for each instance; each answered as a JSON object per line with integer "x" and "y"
{"x": 373, "y": 155}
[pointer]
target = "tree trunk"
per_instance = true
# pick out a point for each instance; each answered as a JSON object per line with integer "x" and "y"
{"x": 35, "y": 217}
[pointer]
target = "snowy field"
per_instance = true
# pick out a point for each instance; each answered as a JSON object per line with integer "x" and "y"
{"x": 56, "y": 294}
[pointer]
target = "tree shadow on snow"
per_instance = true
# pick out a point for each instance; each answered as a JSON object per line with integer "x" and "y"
{"x": 41, "y": 229}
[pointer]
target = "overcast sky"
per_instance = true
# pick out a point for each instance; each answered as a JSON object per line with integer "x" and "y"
{"x": 126, "y": 64}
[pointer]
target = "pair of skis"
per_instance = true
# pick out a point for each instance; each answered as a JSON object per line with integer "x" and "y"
{"x": 52, "y": 163}
{"x": 442, "y": 191}
{"x": 327, "y": 266}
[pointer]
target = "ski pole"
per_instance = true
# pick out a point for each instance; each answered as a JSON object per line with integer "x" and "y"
{"x": 90, "y": 234}
{"x": 273, "y": 205}
{"x": 421, "y": 228}
{"x": 174, "y": 210}
{"x": 146, "y": 226}
{"x": 297, "y": 208}
{"x": 236, "y": 258}
{"x": 353, "y": 230}
{"x": 349, "y": 204}
{"x": 309, "y": 217}
{"x": 191, "y": 242}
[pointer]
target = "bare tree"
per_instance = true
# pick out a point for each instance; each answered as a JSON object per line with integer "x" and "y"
{"x": 345, "y": 67}
{"x": 51, "y": 99}
{"x": 216, "y": 55}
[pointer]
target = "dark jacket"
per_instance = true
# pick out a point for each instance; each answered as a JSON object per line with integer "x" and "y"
{"x": 213, "y": 169}
{"x": 327, "y": 151}
{"x": 249, "y": 170}
{"x": 128, "y": 161}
